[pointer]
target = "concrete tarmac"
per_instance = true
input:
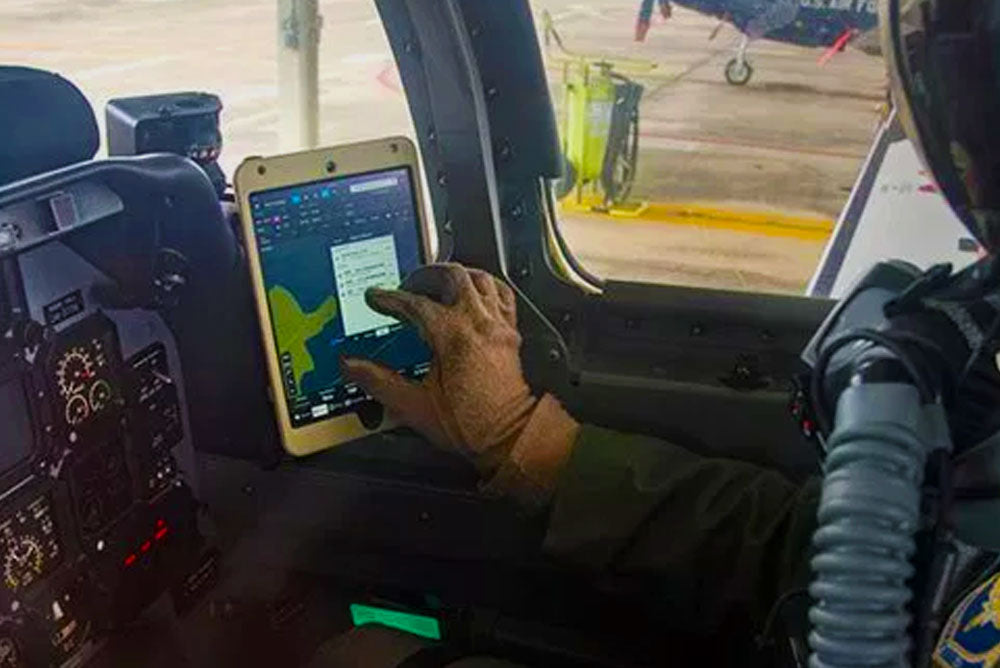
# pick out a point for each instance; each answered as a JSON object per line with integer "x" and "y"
{"x": 790, "y": 141}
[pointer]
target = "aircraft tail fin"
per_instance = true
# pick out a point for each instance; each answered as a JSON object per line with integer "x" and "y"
{"x": 641, "y": 30}
{"x": 644, "y": 19}
{"x": 838, "y": 45}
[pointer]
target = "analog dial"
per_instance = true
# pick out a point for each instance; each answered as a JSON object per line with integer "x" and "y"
{"x": 77, "y": 409}
{"x": 74, "y": 371}
{"x": 100, "y": 395}
{"x": 9, "y": 656}
{"x": 23, "y": 562}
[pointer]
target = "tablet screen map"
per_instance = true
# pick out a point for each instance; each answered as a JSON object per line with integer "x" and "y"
{"x": 321, "y": 246}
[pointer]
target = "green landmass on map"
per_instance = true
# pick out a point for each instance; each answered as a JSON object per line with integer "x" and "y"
{"x": 293, "y": 328}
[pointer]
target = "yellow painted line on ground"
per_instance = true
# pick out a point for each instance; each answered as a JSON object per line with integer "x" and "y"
{"x": 810, "y": 228}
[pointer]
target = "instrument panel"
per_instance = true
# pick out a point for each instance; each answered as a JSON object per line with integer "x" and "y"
{"x": 95, "y": 516}
{"x": 97, "y": 520}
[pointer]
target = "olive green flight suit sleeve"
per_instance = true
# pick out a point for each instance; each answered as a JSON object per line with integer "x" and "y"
{"x": 717, "y": 539}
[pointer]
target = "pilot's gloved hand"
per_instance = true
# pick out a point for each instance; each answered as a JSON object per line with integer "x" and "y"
{"x": 474, "y": 400}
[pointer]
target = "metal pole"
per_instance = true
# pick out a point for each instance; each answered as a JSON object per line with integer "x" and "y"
{"x": 299, "y": 26}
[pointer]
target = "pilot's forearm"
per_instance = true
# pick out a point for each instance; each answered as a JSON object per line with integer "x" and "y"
{"x": 716, "y": 539}
{"x": 529, "y": 471}
{"x": 720, "y": 537}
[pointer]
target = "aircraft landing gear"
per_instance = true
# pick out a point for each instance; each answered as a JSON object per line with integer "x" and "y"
{"x": 738, "y": 70}
{"x": 738, "y": 73}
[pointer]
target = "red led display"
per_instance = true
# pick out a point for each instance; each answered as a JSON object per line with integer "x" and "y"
{"x": 159, "y": 534}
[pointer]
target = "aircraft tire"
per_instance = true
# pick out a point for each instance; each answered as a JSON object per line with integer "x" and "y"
{"x": 737, "y": 76}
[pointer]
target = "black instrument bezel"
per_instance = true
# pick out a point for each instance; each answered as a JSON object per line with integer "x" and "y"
{"x": 17, "y": 370}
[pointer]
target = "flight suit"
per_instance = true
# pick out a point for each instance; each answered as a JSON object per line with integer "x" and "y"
{"x": 719, "y": 540}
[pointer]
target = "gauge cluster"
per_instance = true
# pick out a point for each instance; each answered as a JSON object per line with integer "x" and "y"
{"x": 76, "y": 377}
{"x": 30, "y": 544}
{"x": 156, "y": 417}
{"x": 84, "y": 377}
{"x": 101, "y": 486}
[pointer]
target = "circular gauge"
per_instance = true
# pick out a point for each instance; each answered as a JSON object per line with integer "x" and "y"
{"x": 22, "y": 562}
{"x": 100, "y": 395}
{"x": 77, "y": 409}
{"x": 9, "y": 657}
{"x": 74, "y": 369}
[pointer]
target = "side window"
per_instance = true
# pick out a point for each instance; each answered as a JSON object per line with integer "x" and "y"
{"x": 227, "y": 47}
{"x": 710, "y": 143}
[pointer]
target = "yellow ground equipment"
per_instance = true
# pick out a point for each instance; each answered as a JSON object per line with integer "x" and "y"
{"x": 599, "y": 128}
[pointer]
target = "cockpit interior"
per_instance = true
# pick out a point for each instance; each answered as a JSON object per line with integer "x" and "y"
{"x": 148, "y": 513}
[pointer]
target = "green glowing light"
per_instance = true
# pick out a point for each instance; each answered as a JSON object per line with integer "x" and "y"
{"x": 419, "y": 625}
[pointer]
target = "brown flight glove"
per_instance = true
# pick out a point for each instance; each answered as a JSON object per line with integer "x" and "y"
{"x": 474, "y": 400}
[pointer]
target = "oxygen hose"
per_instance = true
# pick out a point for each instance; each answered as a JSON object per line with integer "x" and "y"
{"x": 868, "y": 515}
{"x": 893, "y": 358}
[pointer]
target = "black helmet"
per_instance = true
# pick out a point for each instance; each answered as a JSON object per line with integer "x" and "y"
{"x": 944, "y": 65}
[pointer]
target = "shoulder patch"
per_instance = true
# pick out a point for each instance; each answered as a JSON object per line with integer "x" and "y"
{"x": 971, "y": 638}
